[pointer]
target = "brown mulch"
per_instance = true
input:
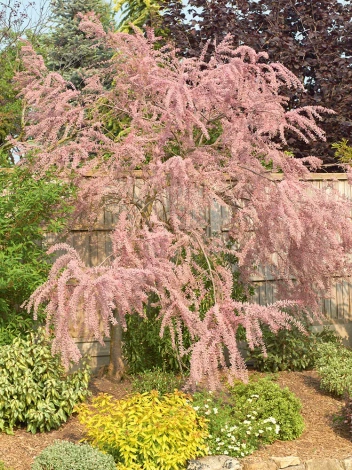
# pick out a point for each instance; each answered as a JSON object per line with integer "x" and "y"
{"x": 323, "y": 436}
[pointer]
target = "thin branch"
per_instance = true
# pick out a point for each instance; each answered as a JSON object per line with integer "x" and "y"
{"x": 209, "y": 265}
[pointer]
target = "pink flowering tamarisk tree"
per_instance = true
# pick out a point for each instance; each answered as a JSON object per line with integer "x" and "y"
{"x": 162, "y": 139}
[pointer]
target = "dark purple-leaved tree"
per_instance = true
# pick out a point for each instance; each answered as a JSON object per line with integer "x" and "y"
{"x": 187, "y": 133}
{"x": 313, "y": 39}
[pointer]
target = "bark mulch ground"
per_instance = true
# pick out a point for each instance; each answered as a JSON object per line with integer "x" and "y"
{"x": 324, "y": 436}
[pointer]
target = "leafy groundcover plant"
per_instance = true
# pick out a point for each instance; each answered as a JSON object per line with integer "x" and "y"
{"x": 334, "y": 365}
{"x": 231, "y": 436}
{"x": 163, "y": 382}
{"x": 145, "y": 431}
{"x": 35, "y": 391}
{"x": 268, "y": 399}
{"x": 254, "y": 414}
{"x": 64, "y": 455}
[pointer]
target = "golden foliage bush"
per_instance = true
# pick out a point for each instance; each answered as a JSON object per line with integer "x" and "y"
{"x": 145, "y": 431}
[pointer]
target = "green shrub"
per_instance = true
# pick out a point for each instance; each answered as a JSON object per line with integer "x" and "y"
{"x": 334, "y": 365}
{"x": 34, "y": 389}
{"x": 29, "y": 207}
{"x": 265, "y": 400}
{"x": 15, "y": 325}
{"x": 290, "y": 349}
{"x": 229, "y": 435}
{"x": 145, "y": 350}
{"x": 163, "y": 382}
{"x": 64, "y": 455}
{"x": 145, "y": 431}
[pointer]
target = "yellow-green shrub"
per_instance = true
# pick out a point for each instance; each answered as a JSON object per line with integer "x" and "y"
{"x": 145, "y": 431}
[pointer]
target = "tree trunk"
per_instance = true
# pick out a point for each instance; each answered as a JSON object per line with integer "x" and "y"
{"x": 116, "y": 368}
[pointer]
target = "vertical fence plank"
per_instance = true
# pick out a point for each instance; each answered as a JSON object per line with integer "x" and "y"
{"x": 269, "y": 292}
{"x": 333, "y": 303}
{"x": 349, "y": 315}
{"x": 215, "y": 219}
{"x": 339, "y": 301}
{"x": 327, "y": 307}
{"x": 81, "y": 242}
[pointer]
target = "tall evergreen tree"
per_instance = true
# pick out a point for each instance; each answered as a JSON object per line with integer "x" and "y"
{"x": 139, "y": 13}
{"x": 72, "y": 50}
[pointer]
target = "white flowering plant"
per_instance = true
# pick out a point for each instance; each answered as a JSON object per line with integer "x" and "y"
{"x": 268, "y": 400}
{"x": 227, "y": 434}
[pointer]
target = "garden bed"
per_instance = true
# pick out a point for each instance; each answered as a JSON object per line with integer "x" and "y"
{"x": 323, "y": 436}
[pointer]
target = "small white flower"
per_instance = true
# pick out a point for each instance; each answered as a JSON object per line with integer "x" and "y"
{"x": 260, "y": 431}
{"x": 206, "y": 406}
{"x": 215, "y": 411}
{"x": 225, "y": 452}
{"x": 196, "y": 408}
{"x": 270, "y": 420}
{"x": 207, "y": 412}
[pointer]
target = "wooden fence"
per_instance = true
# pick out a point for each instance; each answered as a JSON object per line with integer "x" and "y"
{"x": 95, "y": 245}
